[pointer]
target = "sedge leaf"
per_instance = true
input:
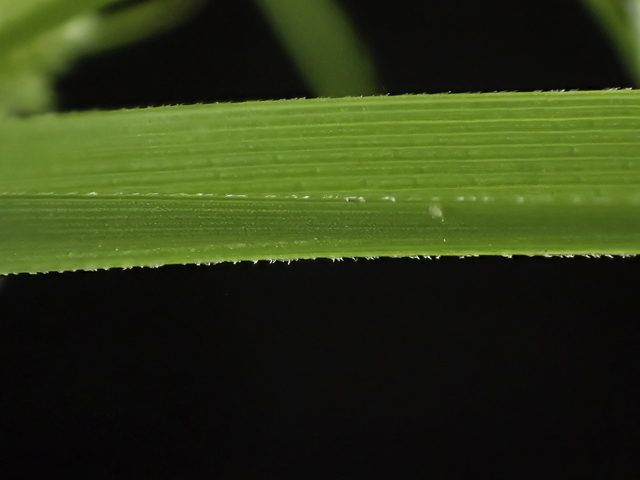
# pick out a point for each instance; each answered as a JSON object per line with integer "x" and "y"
{"x": 464, "y": 174}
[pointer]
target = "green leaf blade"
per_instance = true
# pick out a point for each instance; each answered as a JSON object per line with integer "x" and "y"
{"x": 508, "y": 173}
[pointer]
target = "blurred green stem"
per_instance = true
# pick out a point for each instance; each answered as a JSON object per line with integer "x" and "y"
{"x": 25, "y": 20}
{"x": 33, "y": 50}
{"x": 620, "y": 19}
{"x": 318, "y": 36}
{"x": 141, "y": 21}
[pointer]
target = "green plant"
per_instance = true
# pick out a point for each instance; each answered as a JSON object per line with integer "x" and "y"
{"x": 528, "y": 173}
{"x": 620, "y": 19}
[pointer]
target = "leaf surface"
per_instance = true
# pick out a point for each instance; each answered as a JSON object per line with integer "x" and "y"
{"x": 468, "y": 174}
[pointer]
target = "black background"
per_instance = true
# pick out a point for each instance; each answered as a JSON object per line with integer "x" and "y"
{"x": 393, "y": 368}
